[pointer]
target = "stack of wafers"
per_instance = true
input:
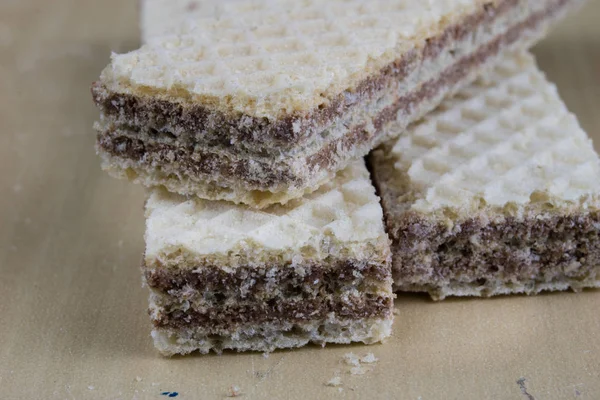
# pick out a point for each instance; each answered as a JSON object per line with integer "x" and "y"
{"x": 249, "y": 121}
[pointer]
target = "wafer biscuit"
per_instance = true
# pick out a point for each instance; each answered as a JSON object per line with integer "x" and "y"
{"x": 224, "y": 276}
{"x": 258, "y": 102}
{"x": 495, "y": 192}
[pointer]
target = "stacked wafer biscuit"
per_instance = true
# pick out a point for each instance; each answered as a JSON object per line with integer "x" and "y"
{"x": 248, "y": 121}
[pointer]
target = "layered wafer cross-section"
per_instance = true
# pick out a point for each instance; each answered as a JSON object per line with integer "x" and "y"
{"x": 495, "y": 192}
{"x": 259, "y": 102}
{"x": 228, "y": 277}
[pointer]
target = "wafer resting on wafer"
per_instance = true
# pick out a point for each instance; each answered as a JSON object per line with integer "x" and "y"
{"x": 260, "y": 102}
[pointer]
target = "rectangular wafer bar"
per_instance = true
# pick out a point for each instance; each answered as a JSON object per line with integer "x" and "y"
{"x": 224, "y": 276}
{"x": 495, "y": 192}
{"x": 259, "y": 102}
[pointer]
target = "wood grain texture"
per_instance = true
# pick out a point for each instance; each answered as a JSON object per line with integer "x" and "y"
{"x": 73, "y": 320}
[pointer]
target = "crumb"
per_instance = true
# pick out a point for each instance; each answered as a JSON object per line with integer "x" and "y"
{"x": 234, "y": 391}
{"x": 369, "y": 358}
{"x": 91, "y": 387}
{"x": 155, "y": 383}
{"x": 138, "y": 379}
{"x": 335, "y": 381}
{"x": 340, "y": 390}
{"x": 395, "y": 312}
{"x": 265, "y": 355}
{"x": 357, "y": 371}
{"x": 352, "y": 359}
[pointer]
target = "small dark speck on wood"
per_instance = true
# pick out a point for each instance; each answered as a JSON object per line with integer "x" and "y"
{"x": 521, "y": 383}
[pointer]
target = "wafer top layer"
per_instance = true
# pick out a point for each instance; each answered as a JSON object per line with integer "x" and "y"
{"x": 271, "y": 58}
{"x": 342, "y": 219}
{"x": 507, "y": 140}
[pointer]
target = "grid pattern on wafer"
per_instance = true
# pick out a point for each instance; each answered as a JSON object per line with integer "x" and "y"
{"x": 283, "y": 54}
{"x": 508, "y": 138}
{"x": 344, "y": 211}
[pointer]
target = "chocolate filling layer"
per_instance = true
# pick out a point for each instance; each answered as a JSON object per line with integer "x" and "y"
{"x": 163, "y": 115}
{"x": 228, "y": 317}
{"x": 425, "y": 252}
{"x": 306, "y": 280}
{"x": 194, "y": 162}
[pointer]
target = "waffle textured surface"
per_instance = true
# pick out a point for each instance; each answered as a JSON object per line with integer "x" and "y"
{"x": 262, "y": 57}
{"x": 343, "y": 216}
{"x": 506, "y": 139}
{"x": 496, "y": 192}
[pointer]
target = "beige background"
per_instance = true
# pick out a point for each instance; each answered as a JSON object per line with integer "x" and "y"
{"x": 73, "y": 320}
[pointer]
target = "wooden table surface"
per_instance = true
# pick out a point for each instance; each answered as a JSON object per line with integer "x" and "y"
{"x": 73, "y": 320}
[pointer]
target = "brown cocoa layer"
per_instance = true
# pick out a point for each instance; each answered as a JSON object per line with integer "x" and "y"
{"x": 514, "y": 250}
{"x": 163, "y": 115}
{"x": 287, "y": 311}
{"x": 306, "y": 280}
{"x": 194, "y": 162}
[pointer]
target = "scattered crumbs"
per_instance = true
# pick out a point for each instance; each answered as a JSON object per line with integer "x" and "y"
{"x": 155, "y": 383}
{"x": 357, "y": 371}
{"x": 138, "y": 379}
{"x": 355, "y": 362}
{"x": 91, "y": 387}
{"x": 369, "y": 358}
{"x": 335, "y": 381}
{"x": 352, "y": 359}
{"x": 234, "y": 391}
{"x": 17, "y": 188}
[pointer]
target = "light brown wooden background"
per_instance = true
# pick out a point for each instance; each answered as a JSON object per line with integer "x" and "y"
{"x": 73, "y": 318}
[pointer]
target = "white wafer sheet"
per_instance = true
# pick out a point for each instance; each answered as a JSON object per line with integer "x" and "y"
{"x": 280, "y": 55}
{"x": 508, "y": 138}
{"x": 344, "y": 213}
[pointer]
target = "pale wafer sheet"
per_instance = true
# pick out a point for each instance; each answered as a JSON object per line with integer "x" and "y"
{"x": 265, "y": 57}
{"x": 506, "y": 139}
{"x": 343, "y": 218}
{"x": 495, "y": 192}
